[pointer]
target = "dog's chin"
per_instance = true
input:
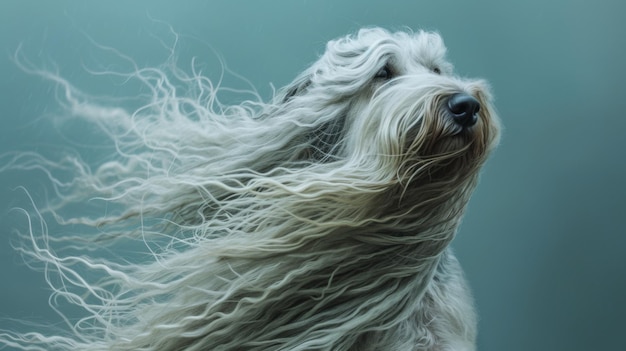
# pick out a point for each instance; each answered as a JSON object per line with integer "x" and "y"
{"x": 448, "y": 138}
{"x": 457, "y": 131}
{"x": 461, "y": 140}
{"x": 459, "y": 150}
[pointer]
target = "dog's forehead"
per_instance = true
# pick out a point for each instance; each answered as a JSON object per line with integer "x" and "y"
{"x": 423, "y": 48}
{"x": 408, "y": 49}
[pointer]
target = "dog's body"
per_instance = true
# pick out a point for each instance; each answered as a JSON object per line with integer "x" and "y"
{"x": 319, "y": 221}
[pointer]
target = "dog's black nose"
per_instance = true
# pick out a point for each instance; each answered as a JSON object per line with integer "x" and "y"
{"x": 464, "y": 108}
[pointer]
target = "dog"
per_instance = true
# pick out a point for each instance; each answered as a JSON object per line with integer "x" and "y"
{"x": 319, "y": 220}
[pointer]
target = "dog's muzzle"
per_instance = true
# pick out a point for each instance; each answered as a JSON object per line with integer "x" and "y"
{"x": 464, "y": 109}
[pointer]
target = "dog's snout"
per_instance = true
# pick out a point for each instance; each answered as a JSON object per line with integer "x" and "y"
{"x": 464, "y": 109}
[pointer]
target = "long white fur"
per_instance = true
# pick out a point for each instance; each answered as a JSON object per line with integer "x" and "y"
{"x": 317, "y": 221}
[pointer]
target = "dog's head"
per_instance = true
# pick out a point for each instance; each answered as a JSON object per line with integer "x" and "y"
{"x": 390, "y": 101}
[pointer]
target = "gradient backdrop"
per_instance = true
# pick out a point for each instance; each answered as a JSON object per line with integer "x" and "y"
{"x": 543, "y": 243}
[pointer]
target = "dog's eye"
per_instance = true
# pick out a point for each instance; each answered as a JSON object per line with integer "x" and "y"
{"x": 384, "y": 73}
{"x": 436, "y": 70}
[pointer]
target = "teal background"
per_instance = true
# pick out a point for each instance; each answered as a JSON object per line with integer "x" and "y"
{"x": 543, "y": 243}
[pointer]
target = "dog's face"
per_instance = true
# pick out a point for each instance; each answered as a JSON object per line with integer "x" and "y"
{"x": 403, "y": 109}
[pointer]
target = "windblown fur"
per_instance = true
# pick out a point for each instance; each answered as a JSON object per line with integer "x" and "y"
{"x": 317, "y": 221}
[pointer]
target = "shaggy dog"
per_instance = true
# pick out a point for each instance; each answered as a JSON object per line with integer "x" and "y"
{"x": 318, "y": 221}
